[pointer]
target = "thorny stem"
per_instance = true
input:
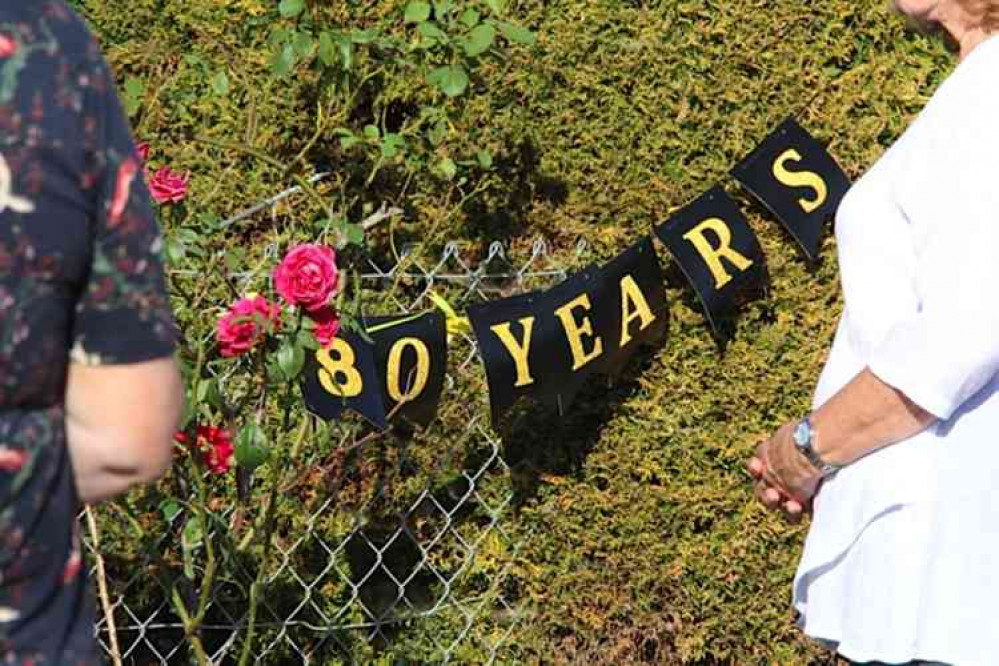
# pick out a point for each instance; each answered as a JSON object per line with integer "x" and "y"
{"x": 192, "y": 625}
{"x": 276, "y": 484}
{"x": 320, "y": 126}
{"x": 102, "y": 587}
{"x": 249, "y": 150}
{"x": 210, "y": 566}
{"x": 313, "y": 194}
{"x": 431, "y": 235}
{"x": 286, "y": 169}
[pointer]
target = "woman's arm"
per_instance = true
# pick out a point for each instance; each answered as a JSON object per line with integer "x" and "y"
{"x": 120, "y": 421}
{"x": 865, "y": 415}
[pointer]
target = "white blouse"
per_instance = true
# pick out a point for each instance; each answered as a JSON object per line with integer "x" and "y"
{"x": 902, "y": 558}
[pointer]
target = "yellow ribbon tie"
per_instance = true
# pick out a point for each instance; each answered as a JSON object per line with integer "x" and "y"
{"x": 456, "y": 325}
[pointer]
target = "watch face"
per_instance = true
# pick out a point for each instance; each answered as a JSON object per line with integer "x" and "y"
{"x": 802, "y": 434}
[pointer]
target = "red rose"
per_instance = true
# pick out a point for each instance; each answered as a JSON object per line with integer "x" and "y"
{"x": 215, "y": 446}
{"x": 142, "y": 151}
{"x": 248, "y": 321}
{"x": 327, "y": 325}
{"x": 168, "y": 186}
{"x": 307, "y": 276}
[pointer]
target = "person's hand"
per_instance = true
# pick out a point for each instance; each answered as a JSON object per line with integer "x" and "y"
{"x": 785, "y": 479}
{"x": 773, "y": 498}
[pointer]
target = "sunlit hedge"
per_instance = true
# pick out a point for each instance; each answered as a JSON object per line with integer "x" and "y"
{"x": 640, "y": 539}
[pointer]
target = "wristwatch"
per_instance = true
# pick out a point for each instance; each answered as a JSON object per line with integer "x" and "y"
{"x": 804, "y": 441}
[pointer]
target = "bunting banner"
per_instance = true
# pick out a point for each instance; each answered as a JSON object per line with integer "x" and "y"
{"x": 344, "y": 376}
{"x": 543, "y": 346}
{"x": 412, "y": 354}
{"x": 633, "y": 305}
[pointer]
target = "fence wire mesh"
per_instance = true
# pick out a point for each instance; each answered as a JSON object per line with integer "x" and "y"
{"x": 365, "y": 563}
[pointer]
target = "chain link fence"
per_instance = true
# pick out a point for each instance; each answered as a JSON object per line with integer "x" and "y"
{"x": 366, "y": 563}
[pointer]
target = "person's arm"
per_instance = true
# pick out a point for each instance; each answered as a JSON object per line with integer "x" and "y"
{"x": 123, "y": 392}
{"x": 120, "y": 421}
{"x": 930, "y": 363}
{"x": 865, "y": 415}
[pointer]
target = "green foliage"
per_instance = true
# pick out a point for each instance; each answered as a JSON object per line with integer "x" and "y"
{"x": 641, "y": 541}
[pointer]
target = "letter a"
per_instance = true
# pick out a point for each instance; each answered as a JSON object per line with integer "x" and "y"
{"x": 631, "y": 294}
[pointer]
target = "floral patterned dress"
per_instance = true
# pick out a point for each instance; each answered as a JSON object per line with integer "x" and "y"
{"x": 81, "y": 280}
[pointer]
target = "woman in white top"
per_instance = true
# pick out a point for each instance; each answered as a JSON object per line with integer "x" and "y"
{"x": 899, "y": 461}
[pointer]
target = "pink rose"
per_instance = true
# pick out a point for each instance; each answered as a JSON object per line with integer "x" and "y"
{"x": 307, "y": 276}
{"x": 8, "y": 46}
{"x": 168, "y": 186}
{"x": 327, "y": 325}
{"x": 248, "y": 321}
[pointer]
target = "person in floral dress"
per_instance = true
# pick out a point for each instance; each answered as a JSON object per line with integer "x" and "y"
{"x": 89, "y": 391}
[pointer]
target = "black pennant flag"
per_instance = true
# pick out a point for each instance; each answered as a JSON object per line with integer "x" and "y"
{"x": 344, "y": 376}
{"x": 633, "y": 309}
{"x": 544, "y": 346}
{"x": 512, "y": 341}
{"x": 404, "y": 362}
{"x": 717, "y": 252}
{"x": 797, "y": 180}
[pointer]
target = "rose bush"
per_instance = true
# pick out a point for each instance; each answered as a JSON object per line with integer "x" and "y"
{"x": 250, "y": 456}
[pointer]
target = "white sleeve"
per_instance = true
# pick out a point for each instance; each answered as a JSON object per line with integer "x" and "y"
{"x": 949, "y": 349}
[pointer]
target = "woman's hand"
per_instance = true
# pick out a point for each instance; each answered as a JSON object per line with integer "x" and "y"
{"x": 785, "y": 479}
